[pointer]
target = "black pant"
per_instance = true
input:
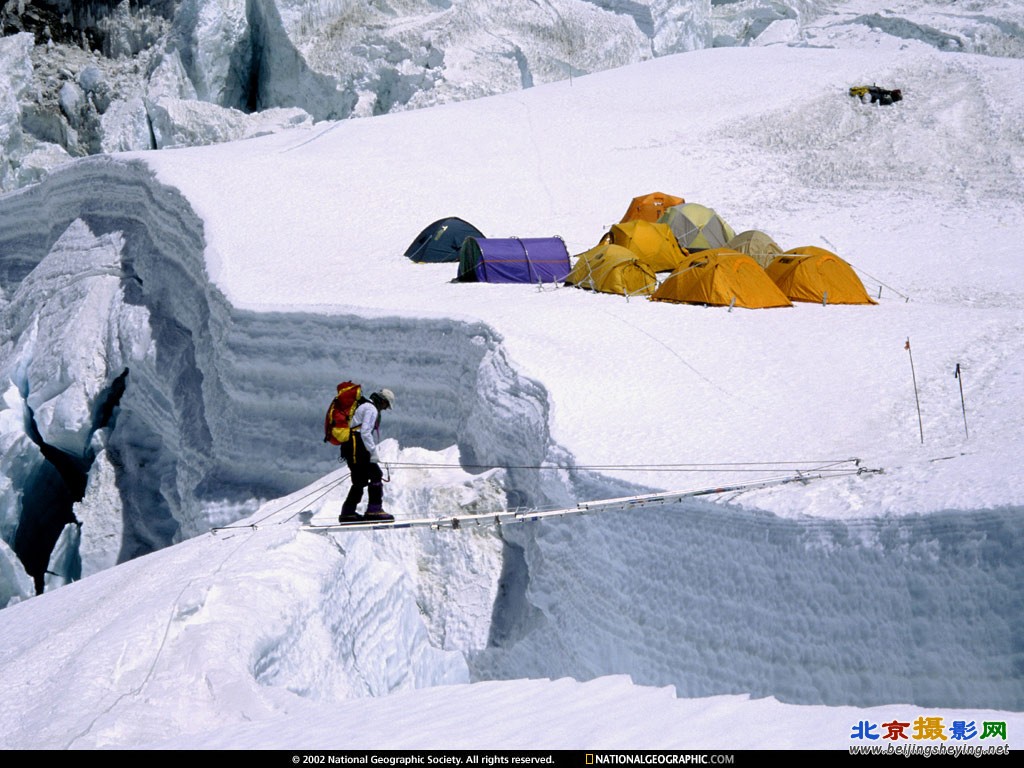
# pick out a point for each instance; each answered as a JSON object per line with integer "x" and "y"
{"x": 363, "y": 473}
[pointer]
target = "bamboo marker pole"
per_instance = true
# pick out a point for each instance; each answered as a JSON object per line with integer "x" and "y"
{"x": 917, "y": 399}
{"x": 963, "y": 407}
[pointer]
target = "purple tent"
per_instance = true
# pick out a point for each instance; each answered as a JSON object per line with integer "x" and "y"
{"x": 513, "y": 260}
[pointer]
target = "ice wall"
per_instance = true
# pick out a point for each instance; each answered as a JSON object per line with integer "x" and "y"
{"x": 176, "y": 412}
{"x": 716, "y": 600}
{"x": 101, "y": 77}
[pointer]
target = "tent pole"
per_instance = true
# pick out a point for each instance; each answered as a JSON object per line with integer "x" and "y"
{"x": 529, "y": 264}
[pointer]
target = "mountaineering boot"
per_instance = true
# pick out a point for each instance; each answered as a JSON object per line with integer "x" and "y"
{"x": 376, "y": 514}
{"x": 348, "y": 507}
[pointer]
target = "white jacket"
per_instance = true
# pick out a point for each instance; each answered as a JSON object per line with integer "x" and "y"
{"x": 365, "y": 419}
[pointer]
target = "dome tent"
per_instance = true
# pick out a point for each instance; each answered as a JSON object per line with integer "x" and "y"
{"x": 697, "y": 227}
{"x": 649, "y": 207}
{"x": 757, "y": 245}
{"x": 610, "y": 268}
{"x": 813, "y": 274}
{"x": 721, "y": 277}
{"x": 440, "y": 241}
{"x": 513, "y": 260}
{"x": 653, "y": 243}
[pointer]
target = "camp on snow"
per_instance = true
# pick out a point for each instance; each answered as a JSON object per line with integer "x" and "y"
{"x": 721, "y": 277}
{"x": 697, "y": 227}
{"x": 814, "y": 274}
{"x": 709, "y": 263}
{"x": 653, "y": 243}
{"x": 513, "y": 260}
{"x": 649, "y": 207}
{"x": 610, "y": 268}
{"x": 441, "y": 241}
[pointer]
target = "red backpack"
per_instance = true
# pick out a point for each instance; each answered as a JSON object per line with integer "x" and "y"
{"x": 336, "y": 430}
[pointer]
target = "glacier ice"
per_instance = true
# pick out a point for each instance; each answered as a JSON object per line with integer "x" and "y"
{"x": 158, "y": 74}
{"x": 165, "y": 412}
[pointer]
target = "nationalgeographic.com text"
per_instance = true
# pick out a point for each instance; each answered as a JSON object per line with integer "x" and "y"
{"x": 681, "y": 758}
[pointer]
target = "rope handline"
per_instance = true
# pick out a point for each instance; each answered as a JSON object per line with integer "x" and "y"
{"x": 686, "y": 363}
{"x": 880, "y": 283}
{"x": 326, "y": 488}
{"x": 798, "y": 470}
{"x": 504, "y": 516}
{"x": 135, "y": 690}
{"x": 742, "y": 466}
{"x": 883, "y": 285}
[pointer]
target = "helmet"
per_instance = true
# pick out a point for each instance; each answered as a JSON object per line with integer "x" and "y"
{"x": 387, "y": 395}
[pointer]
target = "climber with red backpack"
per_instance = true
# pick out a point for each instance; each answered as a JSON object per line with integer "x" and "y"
{"x": 353, "y": 423}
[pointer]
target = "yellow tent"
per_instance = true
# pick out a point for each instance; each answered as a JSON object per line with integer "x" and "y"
{"x": 757, "y": 245}
{"x": 814, "y": 274}
{"x": 650, "y": 207}
{"x": 652, "y": 243}
{"x": 697, "y": 227}
{"x": 721, "y": 277}
{"x": 611, "y": 268}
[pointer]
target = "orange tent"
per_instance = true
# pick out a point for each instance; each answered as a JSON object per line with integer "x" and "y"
{"x": 653, "y": 243}
{"x": 815, "y": 275}
{"x": 650, "y": 207}
{"x": 721, "y": 277}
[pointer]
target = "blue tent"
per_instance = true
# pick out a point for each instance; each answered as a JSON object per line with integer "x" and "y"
{"x": 513, "y": 260}
{"x": 441, "y": 240}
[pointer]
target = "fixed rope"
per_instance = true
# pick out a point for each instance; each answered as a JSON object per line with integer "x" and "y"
{"x": 504, "y": 517}
{"x": 317, "y": 493}
{"x": 793, "y": 471}
{"x": 838, "y": 465}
